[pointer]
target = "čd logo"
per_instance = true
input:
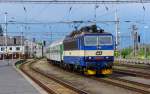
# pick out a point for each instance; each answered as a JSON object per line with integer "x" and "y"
{"x": 99, "y": 53}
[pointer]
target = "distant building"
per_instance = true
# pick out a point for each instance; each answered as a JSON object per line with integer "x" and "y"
{"x": 11, "y": 47}
{"x": 18, "y": 47}
{"x": 11, "y": 41}
{"x": 32, "y": 49}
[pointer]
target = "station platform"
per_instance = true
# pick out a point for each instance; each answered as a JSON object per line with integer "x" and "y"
{"x": 11, "y": 82}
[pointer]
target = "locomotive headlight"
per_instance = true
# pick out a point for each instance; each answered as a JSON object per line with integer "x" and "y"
{"x": 90, "y": 57}
{"x": 107, "y": 57}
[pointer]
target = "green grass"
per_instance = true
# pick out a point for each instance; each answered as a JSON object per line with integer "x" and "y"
{"x": 128, "y": 53}
{"x": 18, "y": 63}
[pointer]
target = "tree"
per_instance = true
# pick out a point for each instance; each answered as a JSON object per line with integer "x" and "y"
{"x": 125, "y": 52}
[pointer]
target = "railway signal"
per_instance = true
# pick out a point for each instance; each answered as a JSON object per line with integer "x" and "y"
{"x": 139, "y": 38}
{"x": 44, "y": 43}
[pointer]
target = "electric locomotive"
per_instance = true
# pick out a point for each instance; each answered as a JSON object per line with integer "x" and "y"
{"x": 89, "y": 50}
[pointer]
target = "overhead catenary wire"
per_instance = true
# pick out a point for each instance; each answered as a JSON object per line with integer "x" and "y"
{"x": 72, "y": 22}
{"x": 74, "y": 1}
{"x": 41, "y": 12}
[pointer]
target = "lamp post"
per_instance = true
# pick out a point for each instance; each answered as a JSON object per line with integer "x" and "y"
{"x": 6, "y": 51}
{"x": 22, "y": 43}
{"x": 11, "y": 21}
{"x": 21, "y": 53}
{"x": 3, "y": 48}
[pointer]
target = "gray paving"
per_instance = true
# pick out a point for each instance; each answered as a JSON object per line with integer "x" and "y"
{"x": 11, "y": 82}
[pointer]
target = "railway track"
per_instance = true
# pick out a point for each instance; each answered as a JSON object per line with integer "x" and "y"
{"x": 130, "y": 85}
{"x": 49, "y": 83}
{"x": 133, "y": 61}
{"x": 123, "y": 83}
{"x": 139, "y": 66}
{"x": 133, "y": 82}
{"x": 132, "y": 73}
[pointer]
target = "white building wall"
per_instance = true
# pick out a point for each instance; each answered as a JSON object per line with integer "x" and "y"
{"x": 12, "y": 49}
{"x": 33, "y": 48}
{"x": 38, "y": 51}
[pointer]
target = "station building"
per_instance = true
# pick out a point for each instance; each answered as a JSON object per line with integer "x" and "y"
{"x": 18, "y": 47}
{"x": 11, "y": 47}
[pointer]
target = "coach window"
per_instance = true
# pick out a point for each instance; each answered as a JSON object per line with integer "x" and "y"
{"x": 17, "y": 48}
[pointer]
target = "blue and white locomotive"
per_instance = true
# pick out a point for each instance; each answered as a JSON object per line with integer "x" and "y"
{"x": 90, "y": 50}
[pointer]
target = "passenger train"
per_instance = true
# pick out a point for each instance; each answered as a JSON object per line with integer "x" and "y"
{"x": 89, "y": 50}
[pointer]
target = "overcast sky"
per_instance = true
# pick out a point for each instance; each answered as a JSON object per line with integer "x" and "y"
{"x": 138, "y": 13}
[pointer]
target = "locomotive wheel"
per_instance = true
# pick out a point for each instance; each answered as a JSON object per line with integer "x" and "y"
{"x": 70, "y": 67}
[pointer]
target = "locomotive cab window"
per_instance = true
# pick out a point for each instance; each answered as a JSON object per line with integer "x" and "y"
{"x": 90, "y": 40}
{"x": 97, "y": 40}
{"x": 105, "y": 40}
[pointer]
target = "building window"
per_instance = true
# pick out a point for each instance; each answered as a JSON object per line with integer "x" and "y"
{"x": 17, "y": 48}
{"x": 2, "y": 49}
{"x": 10, "y": 48}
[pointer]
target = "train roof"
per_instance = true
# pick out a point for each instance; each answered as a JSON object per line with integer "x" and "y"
{"x": 57, "y": 42}
{"x": 93, "y": 29}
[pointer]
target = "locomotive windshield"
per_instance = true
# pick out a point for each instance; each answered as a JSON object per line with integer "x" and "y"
{"x": 90, "y": 40}
{"x": 97, "y": 40}
{"x": 104, "y": 40}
